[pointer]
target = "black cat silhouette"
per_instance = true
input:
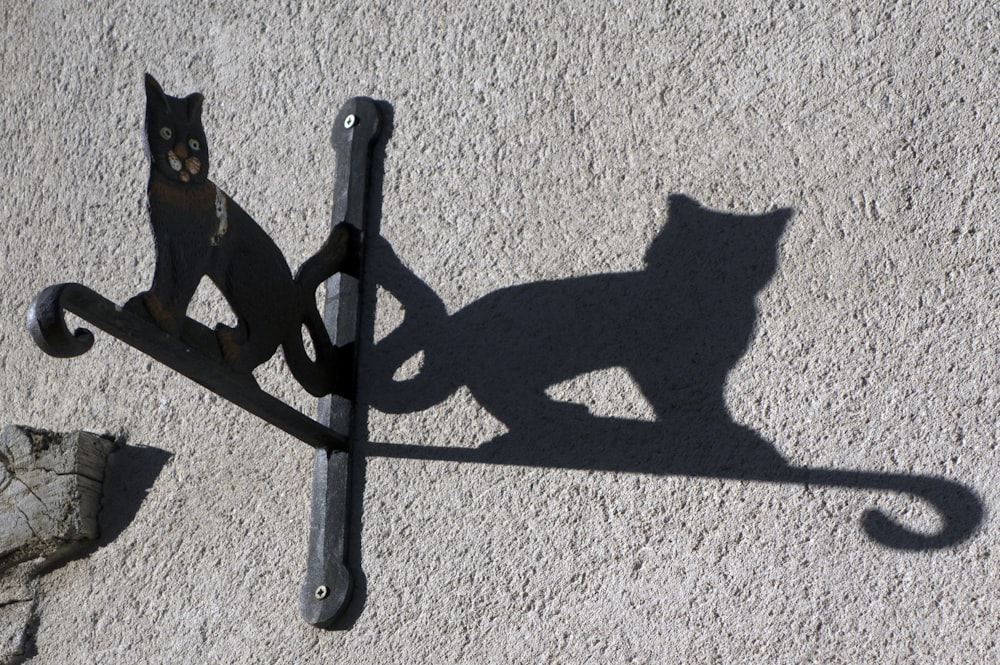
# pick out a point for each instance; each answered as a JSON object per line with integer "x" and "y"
{"x": 677, "y": 327}
{"x": 537, "y": 335}
{"x": 199, "y": 230}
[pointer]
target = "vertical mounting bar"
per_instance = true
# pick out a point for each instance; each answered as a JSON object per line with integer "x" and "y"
{"x": 326, "y": 590}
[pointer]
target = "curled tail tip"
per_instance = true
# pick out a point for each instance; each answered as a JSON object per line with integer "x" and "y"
{"x": 960, "y": 510}
{"x": 886, "y": 531}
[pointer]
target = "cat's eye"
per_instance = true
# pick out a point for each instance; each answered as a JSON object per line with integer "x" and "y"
{"x": 166, "y": 133}
{"x": 194, "y": 144}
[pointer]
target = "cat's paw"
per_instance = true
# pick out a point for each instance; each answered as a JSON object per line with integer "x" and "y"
{"x": 232, "y": 344}
{"x": 227, "y": 343}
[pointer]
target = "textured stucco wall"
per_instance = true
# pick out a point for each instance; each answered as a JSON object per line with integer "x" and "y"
{"x": 535, "y": 146}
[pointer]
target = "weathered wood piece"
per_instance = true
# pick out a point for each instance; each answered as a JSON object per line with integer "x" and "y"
{"x": 50, "y": 491}
{"x": 50, "y": 497}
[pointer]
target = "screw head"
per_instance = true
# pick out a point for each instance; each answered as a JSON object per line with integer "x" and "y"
{"x": 349, "y": 121}
{"x": 321, "y": 592}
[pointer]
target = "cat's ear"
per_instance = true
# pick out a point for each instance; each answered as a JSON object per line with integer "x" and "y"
{"x": 154, "y": 91}
{"x": 194, "y": 104}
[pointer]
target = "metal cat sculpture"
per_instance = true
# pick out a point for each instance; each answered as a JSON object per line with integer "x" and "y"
{"x": 199, "y": 231}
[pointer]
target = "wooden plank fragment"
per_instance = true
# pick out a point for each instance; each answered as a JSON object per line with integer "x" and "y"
{"x": 50, "y": 497}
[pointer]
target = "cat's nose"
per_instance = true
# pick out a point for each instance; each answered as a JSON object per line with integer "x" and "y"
{"x": 181, "y": 150}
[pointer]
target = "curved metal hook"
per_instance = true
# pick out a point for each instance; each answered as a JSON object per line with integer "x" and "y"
{"x": 47, "y": 323}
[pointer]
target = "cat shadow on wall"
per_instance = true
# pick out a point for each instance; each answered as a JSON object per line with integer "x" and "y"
{"x": 677, "y": 327}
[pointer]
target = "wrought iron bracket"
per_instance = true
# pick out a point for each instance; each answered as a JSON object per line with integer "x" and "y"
{"x": 198, "y": 353}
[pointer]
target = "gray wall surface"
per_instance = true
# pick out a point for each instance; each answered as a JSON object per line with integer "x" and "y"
{"x": 612, "y": 392}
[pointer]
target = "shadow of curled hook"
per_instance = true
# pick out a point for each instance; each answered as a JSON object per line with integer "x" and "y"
{"x": 959, "y": 507}
{"x": 47, "y": 322}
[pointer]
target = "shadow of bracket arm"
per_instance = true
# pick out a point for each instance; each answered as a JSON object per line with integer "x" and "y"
{"x": 48, "y": 328}
{"x": 961, "y": 511}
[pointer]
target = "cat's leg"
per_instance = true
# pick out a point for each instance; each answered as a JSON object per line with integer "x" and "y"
{"x": 233, "y": 345}
{"x": 254, "y": 339}
{"x": 154, "y": 302}
{"x": 168, "y": 304}
{"x": 692, "y": 409}
{"x": 520, "y": 402}
{"x": 167, "y": 299}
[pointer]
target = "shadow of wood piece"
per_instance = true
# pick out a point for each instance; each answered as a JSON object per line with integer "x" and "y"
{"x": 50, "y": 497}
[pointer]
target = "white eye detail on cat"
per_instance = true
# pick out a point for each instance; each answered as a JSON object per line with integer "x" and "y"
{"x": 166, "y": 133}
{"x": 194, "y": 144}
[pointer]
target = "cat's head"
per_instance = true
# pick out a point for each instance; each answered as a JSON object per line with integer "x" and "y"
{"x": 718, "y": 250}
{"x": 174, "y": 134}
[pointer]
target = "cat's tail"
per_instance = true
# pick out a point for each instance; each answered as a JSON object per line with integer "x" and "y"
{"x": 416, "y": 341}
{"x": 331, "y": 368}
{"x": 340, "y": 253}
{"x": 431, "y": 383}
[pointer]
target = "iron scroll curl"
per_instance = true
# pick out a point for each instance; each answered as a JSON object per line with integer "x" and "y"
{"x": 47, "y": 323}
